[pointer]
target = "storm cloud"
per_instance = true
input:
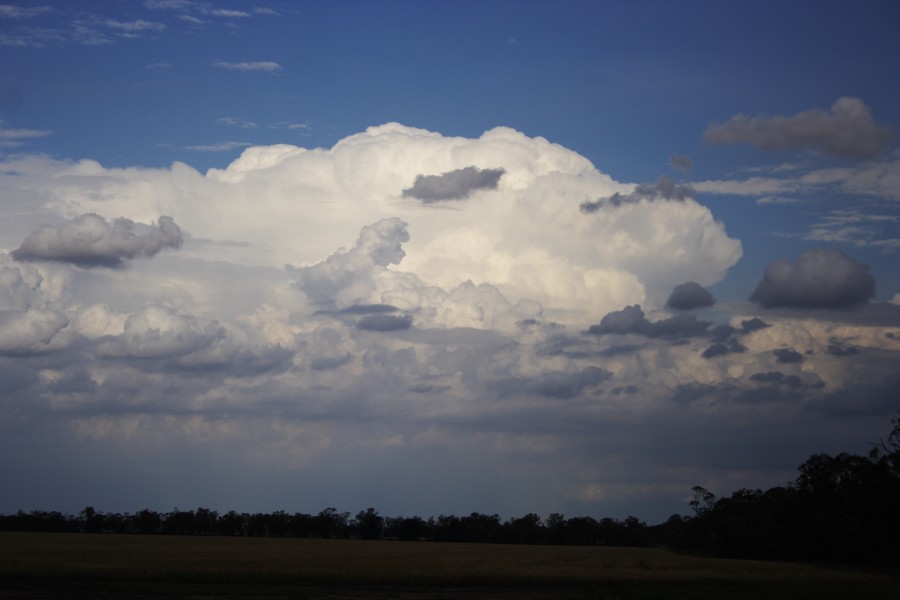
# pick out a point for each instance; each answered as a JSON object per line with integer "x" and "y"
{"x": 690, "y": 295}
{"x": 403, "y": 338}
{"x": 823, "y": 278}
{"x": 847, "y": 130}
{"x": 92, "y": 241}
{"x": 453, "y": 185}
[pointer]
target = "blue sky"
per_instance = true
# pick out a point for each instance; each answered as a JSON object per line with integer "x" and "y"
{"x": 452, "y": 186}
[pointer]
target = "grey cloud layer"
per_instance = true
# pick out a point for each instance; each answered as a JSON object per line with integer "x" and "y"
{"x": 824, "y": 278}
{"x": 90, "y": 240}
{"x": 453, "y": 185}
{"x": 847, "y": 130}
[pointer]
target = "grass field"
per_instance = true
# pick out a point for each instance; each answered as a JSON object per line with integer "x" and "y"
{"x": 34, "y": 565}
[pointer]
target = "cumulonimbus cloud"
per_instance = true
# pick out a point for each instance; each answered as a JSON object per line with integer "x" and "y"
{"x": 821, "y": 278}
{"x": 91, "y": 241}
{"x": 847, "y": 130}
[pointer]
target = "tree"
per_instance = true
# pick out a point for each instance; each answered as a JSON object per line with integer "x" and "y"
{"x": 369, "y": 524}
{"x": 91, "y": 520}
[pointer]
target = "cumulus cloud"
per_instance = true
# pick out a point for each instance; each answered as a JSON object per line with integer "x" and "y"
{"x": 159, "y": 331}
{"x": 665, "y": 188}
{"x": 346, "y": 278}
{"x": 90, "y": 241}
{"x": 631, "y": 320}
{"x": 848, "y": 130}
{"x": 689, "y": 295}
{"x": 29, "y": 331}
{"x": 453, "y": 185}
{"x": 821, "y": 278}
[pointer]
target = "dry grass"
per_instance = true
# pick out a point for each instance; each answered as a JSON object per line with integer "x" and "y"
{"x": 608, "y": 572}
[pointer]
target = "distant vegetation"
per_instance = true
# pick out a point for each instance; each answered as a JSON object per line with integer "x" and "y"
{"x": 843, "y": 508}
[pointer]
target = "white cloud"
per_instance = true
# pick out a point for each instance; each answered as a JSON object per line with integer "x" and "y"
{"x": 224, "y": 12}
{"x": 220, "y": 147}
{"x": 134, "y": 26}
{"x": 266, "y": 66}
{"x": 9, "y": 11}
{"x": 406, "y": 335}
{"x": 14, "y": 138}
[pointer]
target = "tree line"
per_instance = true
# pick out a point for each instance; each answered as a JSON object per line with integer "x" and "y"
{"x": 843, "y": 508}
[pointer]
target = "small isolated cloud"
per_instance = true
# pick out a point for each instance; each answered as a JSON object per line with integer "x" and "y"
{"x": 13, "y": 138}
{"x": 235, "y": 122}
{"x": 91, "y": 241}
{"x": 265, "y": 65}
{"x": 230, "y": 14}
{"x": 134, "y": 26}
{"x": 848, "y": 130}
{"x": 665, "y": 188}
{"x": 453, "y": 185}
{"x": 682, "y": 162}
{"x": 8, "y": 11}
{"x": 690, "y": 295}
{"x": 631, "y": 320}
{"x": 220, "y": 147}
{"x": 823, "y": 278}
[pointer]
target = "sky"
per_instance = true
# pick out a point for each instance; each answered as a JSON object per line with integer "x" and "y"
{"x": 442, "y": 257}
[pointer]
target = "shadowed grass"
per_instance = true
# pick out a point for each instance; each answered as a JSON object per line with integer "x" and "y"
{"x": 267, "y": 565}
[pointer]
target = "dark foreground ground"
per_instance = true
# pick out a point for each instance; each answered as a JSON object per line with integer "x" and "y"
{"x": 80, "y": 566}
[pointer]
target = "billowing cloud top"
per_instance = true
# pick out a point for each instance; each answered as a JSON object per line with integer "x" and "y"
{"x": 848, "y": 130}
{"x": 823, "y": 278}
{"x": 90, "y": 240}
{"x": 291, "y": 205}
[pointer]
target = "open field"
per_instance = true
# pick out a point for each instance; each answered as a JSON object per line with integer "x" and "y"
{"x": 35, "y": 565}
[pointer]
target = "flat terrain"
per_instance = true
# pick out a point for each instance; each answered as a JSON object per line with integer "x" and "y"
{"x": 35, "y": 565}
